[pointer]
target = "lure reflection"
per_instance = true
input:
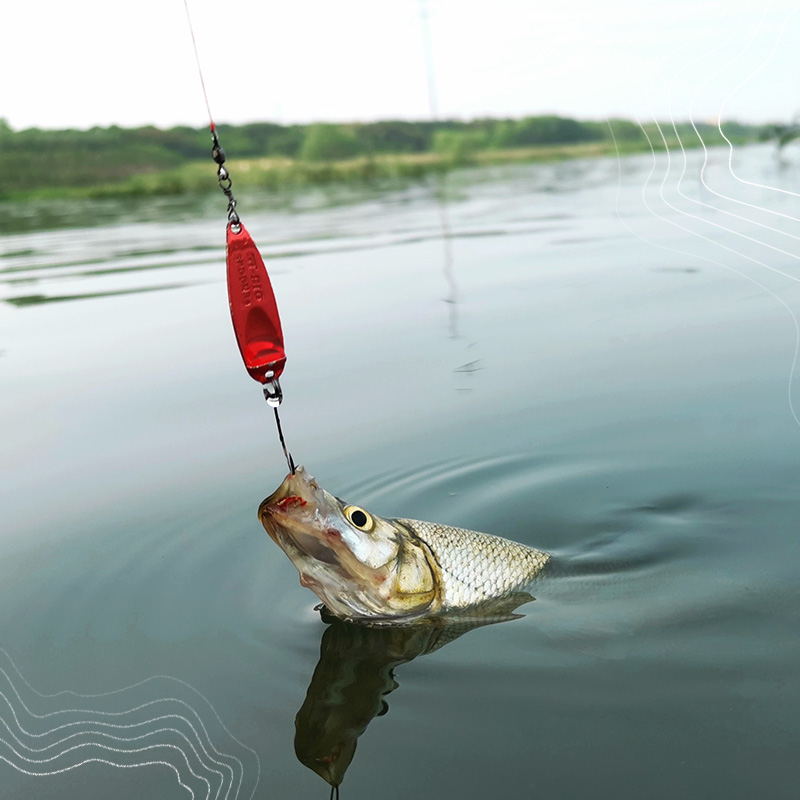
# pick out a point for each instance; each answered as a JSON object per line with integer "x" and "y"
{"x": 355, "y": 673}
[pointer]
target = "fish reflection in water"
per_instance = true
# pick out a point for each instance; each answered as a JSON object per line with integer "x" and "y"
{"x": 355, "y": 673}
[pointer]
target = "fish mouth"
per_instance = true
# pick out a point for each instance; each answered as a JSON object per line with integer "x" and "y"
{"x": 304, "y": 521}
{"x": 278, "y": 504}
{"x": 280, "y": 512}
{"x": 298, "y": 489}
{"x": 314, "y": 548}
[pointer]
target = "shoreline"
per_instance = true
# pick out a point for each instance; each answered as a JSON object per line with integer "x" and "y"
{"x": 198, "y": 176}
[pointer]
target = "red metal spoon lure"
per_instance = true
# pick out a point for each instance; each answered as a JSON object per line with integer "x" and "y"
{"x": 254, "y": 312}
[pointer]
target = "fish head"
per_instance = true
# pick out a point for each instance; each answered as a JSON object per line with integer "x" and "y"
{"x": 360, "y": 565}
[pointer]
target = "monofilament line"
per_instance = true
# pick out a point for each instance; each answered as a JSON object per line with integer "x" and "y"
{"x": 197, "y": 60}
{"x": 289, "y": 459}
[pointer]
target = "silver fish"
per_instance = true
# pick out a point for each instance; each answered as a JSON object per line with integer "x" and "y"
{"x": 364, "y": 567}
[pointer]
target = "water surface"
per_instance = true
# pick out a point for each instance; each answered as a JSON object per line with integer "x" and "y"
{"x": 613, "y": 383}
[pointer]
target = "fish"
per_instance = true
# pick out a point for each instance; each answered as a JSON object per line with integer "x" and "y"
{"x": 384, "y": 570}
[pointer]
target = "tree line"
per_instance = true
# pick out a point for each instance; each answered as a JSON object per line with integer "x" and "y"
{"x": 35, "y": 158}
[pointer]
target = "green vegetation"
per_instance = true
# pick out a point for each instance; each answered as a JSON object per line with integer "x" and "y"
{"x": 782, "y": 133}
{"x": 324, "y": 142}
{"x": 149, "y": 161}
{"x": 460, "y": 147}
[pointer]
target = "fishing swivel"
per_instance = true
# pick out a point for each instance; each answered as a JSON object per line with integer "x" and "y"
{"x": 224, "y": 179}
{"x": 273, "y": 393}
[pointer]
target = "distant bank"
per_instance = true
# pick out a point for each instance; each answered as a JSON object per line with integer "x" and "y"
{"x": 117, "y": 161}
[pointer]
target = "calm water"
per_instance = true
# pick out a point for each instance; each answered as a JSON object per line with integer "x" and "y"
{"x": 607, "y": 385}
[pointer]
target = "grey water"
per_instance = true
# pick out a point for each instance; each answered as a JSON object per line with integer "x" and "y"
{"x": 606, "y": 370}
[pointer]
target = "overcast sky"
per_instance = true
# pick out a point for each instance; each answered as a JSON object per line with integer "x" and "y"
{"x": 100, "y": 62}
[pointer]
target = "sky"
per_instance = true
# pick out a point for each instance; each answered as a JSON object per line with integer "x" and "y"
{"x": 97, "y": 62}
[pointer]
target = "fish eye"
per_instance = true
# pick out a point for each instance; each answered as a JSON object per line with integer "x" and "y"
{"x": 358, "y": 517}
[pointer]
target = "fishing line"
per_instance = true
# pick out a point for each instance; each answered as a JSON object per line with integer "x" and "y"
{"x": 254, "y": 311}
{"x": 286, "y": 453}
{"x": 441, "y": 199}
{"x": 199, "y": 68}
{"x": 427, "y": 46}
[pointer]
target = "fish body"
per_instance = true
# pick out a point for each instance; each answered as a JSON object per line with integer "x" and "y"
{"x": 365, "y": 567}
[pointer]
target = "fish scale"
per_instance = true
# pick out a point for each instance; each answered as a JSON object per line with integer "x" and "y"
{"x": 478, "y": 566}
